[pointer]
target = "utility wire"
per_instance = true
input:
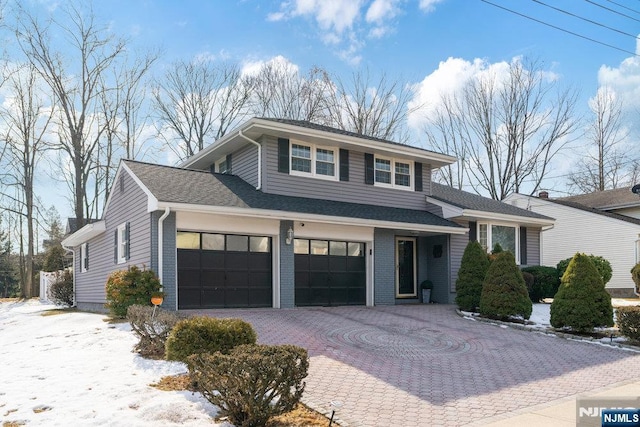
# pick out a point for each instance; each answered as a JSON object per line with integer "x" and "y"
{"x": 585, "y": 19}
{"x": 612, "y": 10}
{"x": 624, "y": 7}
{"x": 561, "y": 29}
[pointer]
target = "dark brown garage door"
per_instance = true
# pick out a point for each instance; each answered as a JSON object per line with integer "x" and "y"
{"x": 329, "y": 273}
{"x": 223, "y": 270}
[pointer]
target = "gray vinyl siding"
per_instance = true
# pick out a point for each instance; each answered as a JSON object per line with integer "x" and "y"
{"x": 169, "y": 280}
{"x": 129, "y": 206}
{"x": 384, "y": 267}
{"x": 434, "y": 209}
{"x": 287, "y": 270}
{"x": 533, "y": 246}
{"x": 244, "y": 163}
{"x": 438, "y": 268}
{"x": 354, "y": 190}
{"x": 457, "y": 245}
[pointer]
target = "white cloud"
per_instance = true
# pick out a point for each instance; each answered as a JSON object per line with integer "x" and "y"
{"x": 251, "y": 68}
{"x": 428, "y": 5}
{"x": 381, "y": 10}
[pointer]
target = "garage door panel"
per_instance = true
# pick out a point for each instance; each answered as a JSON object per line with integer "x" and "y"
{"x": 339, "y": 296}
{"x": 213, "y": 298}
{"x": 188, "y": 258}
{"x": 213, "y": 259}
{"x": 357, "y": 296}
{"x": 319, "y": 279}
{"x": 356, "y": 263}
{"x": 301, "y": 262}
{"x": 318, "y": 262}
{"x": 236, "y": 297}
{"x": 260, "y": 261}
{"x": 189, "y": 278}
{"x": 340, "y": 280}
{"x": 258, "y": 279}
{"x": 212, "y": 278}
{"x": 301, "y": 279}
{"x": 319, "y": 296}
{"x": 189, "y": 297}
{"x": 237, "y": 278}
{"x": 260, "y": 297}
{"x": 337, "y": 263}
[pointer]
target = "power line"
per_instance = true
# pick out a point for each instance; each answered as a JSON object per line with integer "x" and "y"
{"x": 561, "y": 29}
{"x": 612, "y": 10}
{"x": 624, "y": 7}
{"x": 585, "y": 19}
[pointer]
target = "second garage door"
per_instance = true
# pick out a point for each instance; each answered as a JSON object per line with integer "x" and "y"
{"x": 329, "y": 273}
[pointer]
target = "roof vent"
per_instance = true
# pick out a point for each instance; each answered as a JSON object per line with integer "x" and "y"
{"x": 543, "y": 195}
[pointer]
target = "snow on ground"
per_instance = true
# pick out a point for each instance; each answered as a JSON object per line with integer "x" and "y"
{"x": 76, "y": 369}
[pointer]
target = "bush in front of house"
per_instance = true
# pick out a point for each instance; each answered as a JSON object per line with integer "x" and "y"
{"x": 125, "y": 288}
{"x": 628, "y": 320}
{"x": 602, "y": 266}
{"x": 207, "y": 335}
{"x": 253, "y": 382}
{"x": 152, "y": 330}
{"x": 473, "y": 268}
{"x": 504, "y": 293}
{"x": 61, "y": 290}
{"x": 545, "y": 282}
{"x": 581, "y": 302}
{"x": 635, "y": 276}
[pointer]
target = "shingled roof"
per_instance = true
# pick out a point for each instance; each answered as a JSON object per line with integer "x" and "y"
{"x": 466, "y": 200}
{"x": 607, "y": 199}
{"x": 179, "y": 185}
{"x": 596, "y": 211}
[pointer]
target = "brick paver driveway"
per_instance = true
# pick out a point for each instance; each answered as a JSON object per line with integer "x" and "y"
{"x": 423, "y": 365}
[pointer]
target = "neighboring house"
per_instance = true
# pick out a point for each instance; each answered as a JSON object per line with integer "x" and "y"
{"x": 283, "y": 213}
{"x": 591, "y": 230}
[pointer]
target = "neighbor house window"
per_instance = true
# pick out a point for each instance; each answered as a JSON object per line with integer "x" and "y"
{"x": 222, "y": 166}
{"x": 505, "y": 235}
{"x": 310, "y": 160}
{"x": 84, "y": 257}
{"x": 122, "y": 243}
{"x": 393, "y": 173}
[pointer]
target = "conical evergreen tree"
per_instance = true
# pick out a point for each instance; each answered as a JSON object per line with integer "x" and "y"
{"x": 582, "y": 303}
{"x": 473, "y": 268}
{"x": 504, "y": 292}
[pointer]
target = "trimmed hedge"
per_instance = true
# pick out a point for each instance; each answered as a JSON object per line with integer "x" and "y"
{"x": 125, "y": 288}
{"x": 545, "y": 282}
{"x": 61, "y": 290}
{"x": 504, "y": 293}
{"x": 628, "y": 319}
{"x": 253, "y": 382}
{"x": 602, "y": 266}
{"x": 153, "y": 331}
{"x": 581, "y": 303}
{"x": 207, "y": 335}
{"x": 473, "y": 268}
{"x": 635, "y": 276}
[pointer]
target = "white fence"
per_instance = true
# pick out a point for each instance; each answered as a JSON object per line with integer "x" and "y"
{"x": 46, "y": 279}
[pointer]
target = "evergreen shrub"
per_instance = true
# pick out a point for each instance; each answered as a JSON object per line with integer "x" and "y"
{"x": 628, "y": 319}
{"x": 545, "y": 282}
{"x": 473, "y": 268}
{"x": 252, "y": 383}
{"x": 128, "y": 287}
{"x": 504, "y": 293}
{"x": 602, "y": 266}
{"x": 61, "y": 290}
{"x": 581, "y": 302}
{"x": 207, "y": 335}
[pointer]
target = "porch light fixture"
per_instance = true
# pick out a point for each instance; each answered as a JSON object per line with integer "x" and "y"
{"x": 289, "y": 238}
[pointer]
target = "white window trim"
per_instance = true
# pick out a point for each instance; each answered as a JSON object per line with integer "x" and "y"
{"x": 313, "y": 174}
{"x": 516, "y": 227}
{"x": 219, "y": 163}
{"x": 83, "y": 258}
{"x": 393, "y": 173}
{"x": 122, "y": 252}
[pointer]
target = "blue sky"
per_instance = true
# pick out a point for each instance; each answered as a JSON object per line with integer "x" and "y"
{"x": 426, "y": 43}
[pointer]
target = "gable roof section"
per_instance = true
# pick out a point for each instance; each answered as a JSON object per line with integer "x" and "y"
{"x": 596, "y": 211}
{"x": 473, "y": 204}
{"x": 607, "y": 199}
{"x": 312, "y": 133}
{"x": 179, "y": 186}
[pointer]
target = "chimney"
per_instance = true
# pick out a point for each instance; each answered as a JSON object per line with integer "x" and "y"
{"x": 543, "y": 195}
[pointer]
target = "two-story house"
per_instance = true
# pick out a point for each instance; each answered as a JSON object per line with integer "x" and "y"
{"x": 284, "y": 213}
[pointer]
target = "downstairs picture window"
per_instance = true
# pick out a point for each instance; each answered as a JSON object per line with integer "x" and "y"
{"x": 505, "y": 235}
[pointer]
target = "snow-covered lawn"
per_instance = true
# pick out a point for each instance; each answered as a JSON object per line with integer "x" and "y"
{"x": 76, "y": 369}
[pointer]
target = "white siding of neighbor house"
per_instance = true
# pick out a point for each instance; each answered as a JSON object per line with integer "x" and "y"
{"x": 632, "y": 212}
{"x": 580, "y": 231}
{"x": 129, "y": 206}
{"x": 354, "y": 190}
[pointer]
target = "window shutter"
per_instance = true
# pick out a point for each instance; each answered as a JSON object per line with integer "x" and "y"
{"x": 228, "y": 164}
{"x": 473, "y": 230}
{"x": 368, "y": 169}
{"x": 86, "y": 257}
{"x": 212, "y": 168}
{"x": 344, "y": 165}
{"x": 115, "y": 246}
{"x": 523, "y": 245}
{"x": 128, "y": 240}
{"x": 418, "y": 177}
{"x": 283, "y": 155}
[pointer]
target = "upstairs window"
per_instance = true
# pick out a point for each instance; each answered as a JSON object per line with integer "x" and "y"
{"x": 393, "y": 173}
{"x": 222, "y": 166}
{"x": 122, "y": 244}
{"x": 310, "y": 160}
{"x": 84, "y": 257}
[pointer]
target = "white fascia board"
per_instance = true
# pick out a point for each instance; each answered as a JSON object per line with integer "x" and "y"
{"x": 295, "y": 216}
{"x": 494, "y": 216}
{"x": 86, "y": 233}
{"x": 448, "y": 210}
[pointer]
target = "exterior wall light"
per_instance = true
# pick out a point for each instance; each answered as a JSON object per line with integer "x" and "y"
{"x": 289, "y": 238}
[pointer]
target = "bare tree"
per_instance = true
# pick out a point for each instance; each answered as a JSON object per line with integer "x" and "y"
{"x": 377, "y": 108}
{"x": 75, "y": 78}
{"x": 279, "y": 90}
{"x": 197, "y": 102}
{"x": 26, "y": 120}
{"x": 603, "y": 165}
{"x": 511, "y": 128}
